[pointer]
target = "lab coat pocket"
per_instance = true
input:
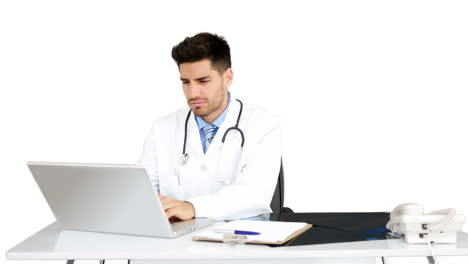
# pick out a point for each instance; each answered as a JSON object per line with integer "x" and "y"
{"x": 171, "y": 186}
{"x": 228, "y": 166}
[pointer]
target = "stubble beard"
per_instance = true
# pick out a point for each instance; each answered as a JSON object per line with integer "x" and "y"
{"x": 209, "y": 108}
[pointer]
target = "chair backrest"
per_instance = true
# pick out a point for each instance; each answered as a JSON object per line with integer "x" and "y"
{"x": 276, "y": 204}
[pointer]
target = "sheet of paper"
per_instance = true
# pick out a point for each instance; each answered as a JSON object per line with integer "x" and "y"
{"x": 270, "y": 231}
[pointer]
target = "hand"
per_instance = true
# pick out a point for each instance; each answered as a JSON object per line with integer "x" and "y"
{"x": 176, "y": 209}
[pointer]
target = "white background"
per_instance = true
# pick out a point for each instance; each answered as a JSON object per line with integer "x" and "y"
{"x": 373, "y": 94}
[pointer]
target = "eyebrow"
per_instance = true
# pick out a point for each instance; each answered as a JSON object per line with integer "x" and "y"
{"x": 197, "y": 79}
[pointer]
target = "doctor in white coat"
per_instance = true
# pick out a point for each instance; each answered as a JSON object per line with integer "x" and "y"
{"x": 195, "y": 173}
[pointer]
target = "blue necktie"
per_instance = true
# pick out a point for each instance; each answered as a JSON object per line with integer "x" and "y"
{"x": 209, "y": 131}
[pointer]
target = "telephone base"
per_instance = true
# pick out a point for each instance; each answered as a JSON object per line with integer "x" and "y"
{"x": 435, "y": 237}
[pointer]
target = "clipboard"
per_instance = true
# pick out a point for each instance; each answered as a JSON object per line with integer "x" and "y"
{"x": 242, "y": 239}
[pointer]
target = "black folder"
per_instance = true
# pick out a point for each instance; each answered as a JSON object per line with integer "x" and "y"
{"x": 338, "y": 227}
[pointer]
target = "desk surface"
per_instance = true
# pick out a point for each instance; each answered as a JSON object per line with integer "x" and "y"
{"x": 53, "y": 242}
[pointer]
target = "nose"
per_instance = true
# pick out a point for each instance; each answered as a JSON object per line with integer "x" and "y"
{"x": 193, "y": 91}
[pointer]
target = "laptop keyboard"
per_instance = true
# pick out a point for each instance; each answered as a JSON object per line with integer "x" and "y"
{"x": 191, "y": 225}
{"x": 182, "y": 224}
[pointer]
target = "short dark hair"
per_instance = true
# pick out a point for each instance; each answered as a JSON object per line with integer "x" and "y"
{"x": 204, "y": 46}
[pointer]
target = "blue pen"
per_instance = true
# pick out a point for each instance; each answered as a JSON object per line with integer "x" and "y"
{"x": 235, "y": 232}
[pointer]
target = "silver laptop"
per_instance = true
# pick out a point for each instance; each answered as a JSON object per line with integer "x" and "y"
{"x": 107, "y": 198}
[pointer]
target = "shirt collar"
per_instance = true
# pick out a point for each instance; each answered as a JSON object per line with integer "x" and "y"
{"x": 201, "y": 123}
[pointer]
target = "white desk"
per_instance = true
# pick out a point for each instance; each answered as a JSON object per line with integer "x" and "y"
{"x": 53, "y": 243}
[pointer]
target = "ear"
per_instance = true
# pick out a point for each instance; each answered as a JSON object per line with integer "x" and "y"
{"x": 228, "y": 76}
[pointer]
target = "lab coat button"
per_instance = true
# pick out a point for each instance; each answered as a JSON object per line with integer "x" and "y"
{"x": 203, "y": 167}
{"x": 225, "y": 182}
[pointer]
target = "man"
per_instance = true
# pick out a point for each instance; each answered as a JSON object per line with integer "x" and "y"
{"x": 195, "y": 173}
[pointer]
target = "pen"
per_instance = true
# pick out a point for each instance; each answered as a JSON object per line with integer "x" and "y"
{"x": 235, "y": 232}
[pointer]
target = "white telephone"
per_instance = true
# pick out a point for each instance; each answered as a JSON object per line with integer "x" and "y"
{"x": 439, "y": 226}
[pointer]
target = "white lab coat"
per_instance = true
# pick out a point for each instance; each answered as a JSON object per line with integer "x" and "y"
{"x": 227, "y": 182}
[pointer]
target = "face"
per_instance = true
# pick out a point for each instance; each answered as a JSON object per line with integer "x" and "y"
{"x": 205, "y": 88}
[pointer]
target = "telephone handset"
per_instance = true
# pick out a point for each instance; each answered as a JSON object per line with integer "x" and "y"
{"x": 439, "y": 226}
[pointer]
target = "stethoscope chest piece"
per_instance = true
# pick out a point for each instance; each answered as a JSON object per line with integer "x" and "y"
{"x": 183, "y": 159}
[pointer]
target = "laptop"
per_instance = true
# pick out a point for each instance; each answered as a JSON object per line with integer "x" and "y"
{"x": 107, "y": 198}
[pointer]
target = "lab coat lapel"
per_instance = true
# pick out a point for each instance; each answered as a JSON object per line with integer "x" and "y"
{"x": 194, "y": 145}
{"x": 229, "y": 121}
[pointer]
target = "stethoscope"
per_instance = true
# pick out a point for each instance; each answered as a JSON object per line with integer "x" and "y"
{"x": 185, "y": 156}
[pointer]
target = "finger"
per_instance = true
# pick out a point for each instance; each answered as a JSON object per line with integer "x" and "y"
{"x": 165, "y": 205}
{"x": 164, "y": 198}
{"x": 168, "y": 203}
{"x": 170, "y": 213}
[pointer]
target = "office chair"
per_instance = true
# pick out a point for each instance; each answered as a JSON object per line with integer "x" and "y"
{"x": 278, "y": 196}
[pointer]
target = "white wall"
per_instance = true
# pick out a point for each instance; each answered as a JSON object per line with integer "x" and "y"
{"x": 373, "y": 94}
